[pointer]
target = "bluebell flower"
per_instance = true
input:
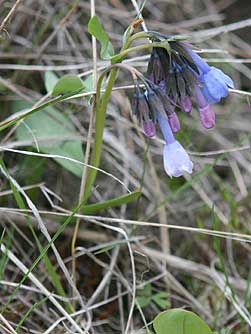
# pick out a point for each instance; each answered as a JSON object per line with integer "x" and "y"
{"x": 182, "y": 70}
{"x": 215, "y": 83}
{"x": 176, "y": 159}
{"x": 175, "y": 76}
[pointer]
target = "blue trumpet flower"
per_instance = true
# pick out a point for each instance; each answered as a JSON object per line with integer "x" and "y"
{"x": 174, "y": 78}
{"x": 214, "y": 82}
{"x": 176, "y": 159}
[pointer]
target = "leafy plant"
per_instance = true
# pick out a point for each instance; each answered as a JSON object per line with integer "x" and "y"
{"x": 145, "y": 296}
{"x": 179, "y": 321}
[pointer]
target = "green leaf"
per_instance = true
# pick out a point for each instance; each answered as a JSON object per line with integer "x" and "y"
{"x": 143, "y": 301}
{"x": 105, "y": 249}
{"x": 144, "y": 295}
{"x": 55, "y": 134}
{"x": 93, "y": 208}
{"x": 68, "y": 83}
{"x": 24, "y": 113}
{"x": 3, "y": 87}
{"x": 51, "y": 270}
{"x": 178, "y": 321}
{"x": 146, "y": 291}
{"x": 50, "y": 80}
{"x": 95, "y": 28}
{"x": 89, "y": 87}
{"x": 128, "y": 32}
{"x": 161, "y": 300}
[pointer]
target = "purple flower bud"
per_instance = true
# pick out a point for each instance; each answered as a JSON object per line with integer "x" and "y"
{"x": 174, "y": 122}
{"x": 149, "y": 128}
{"x": 207, "y": 117}
{"x": 186, "y": 103}
{"x": 206, "y": 113}
{"x": 176, "y": 160}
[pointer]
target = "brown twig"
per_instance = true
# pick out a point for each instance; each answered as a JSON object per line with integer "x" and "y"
{"x": 9, "y": 16}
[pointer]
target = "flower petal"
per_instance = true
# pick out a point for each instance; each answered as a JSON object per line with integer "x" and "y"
{"x": 176, "y": 160}
{"x": 222, "y": 77}
{"x": 165, "y": 128}
{"x": 215, "y": 86}
{"x": 199, "y": 62}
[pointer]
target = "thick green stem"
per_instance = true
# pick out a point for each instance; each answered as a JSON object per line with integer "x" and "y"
{"x": 102, "y": 103}
{"x": 99, "y": 129}
{"x": 123, "y": 53}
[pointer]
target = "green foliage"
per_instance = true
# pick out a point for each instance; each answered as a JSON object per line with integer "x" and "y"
{"x": 4, "y": 258}
{"x": 50, "y": 80}
{"x": 50, "y": 268}
{"x": 95, "y": 28}
{"x": 88, "y": 82}
{"x": 55, "y": 134}
{"x": 30, "y": 310}
{"x": 179, "y": 321}
{"x": 146, "y": 295}
{"x": 31, "y": 175}
{"x": 161, "y": 300}
{"x": 67, "y": 84}
{"x": 42, "y": 254}
{"x": 24, "y": 113}
{"x": 93, "y": 208}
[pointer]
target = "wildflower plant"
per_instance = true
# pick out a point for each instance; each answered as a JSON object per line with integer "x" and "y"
{"x": 176, "y": 76}
{"x": 176, "y": 79}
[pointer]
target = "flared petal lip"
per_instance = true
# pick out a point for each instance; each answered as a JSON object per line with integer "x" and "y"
{"x": 176, "y": 160}
{"x": 216, "y": 85}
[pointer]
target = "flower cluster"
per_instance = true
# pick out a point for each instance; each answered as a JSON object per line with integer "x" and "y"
{"x": 175, "y": 77}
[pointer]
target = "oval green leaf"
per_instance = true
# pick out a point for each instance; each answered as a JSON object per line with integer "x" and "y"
{"x": 55, "y": 134}
{"x": 96, "y": 29}
{"x": 179, "y": 321}
{"x": 68, "y": 83}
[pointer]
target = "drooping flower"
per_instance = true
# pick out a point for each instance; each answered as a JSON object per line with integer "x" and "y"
{"x": 176, "y": 75}
{"x": 184, "y": 70}
{"x": 215, "y": 83}
{"x": 176, "y": 159}
{"x": 141, "y": 108}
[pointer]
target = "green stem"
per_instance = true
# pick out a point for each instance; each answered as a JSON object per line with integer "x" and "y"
{"x": 138, "y": 35}
{"x": 123, "y": 53}
{"x": 102, "y": 103}
{"x": 99, "y": 130}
